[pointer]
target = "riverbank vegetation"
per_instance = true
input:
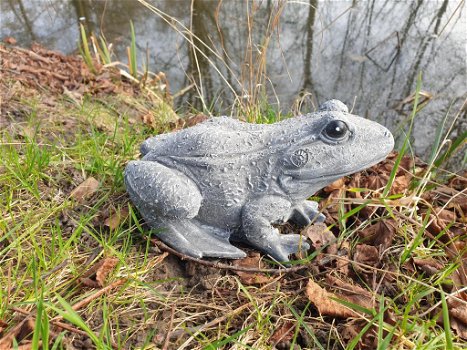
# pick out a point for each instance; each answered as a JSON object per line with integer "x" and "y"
{"x": 79, "y": 269}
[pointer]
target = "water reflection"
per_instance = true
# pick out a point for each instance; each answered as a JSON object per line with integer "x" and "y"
{"x": 366, "y": 53}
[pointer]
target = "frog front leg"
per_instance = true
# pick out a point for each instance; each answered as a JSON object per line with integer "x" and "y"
{"x": 306, "y": 212}
{"x": 169, "y": 201}
{"x": 257, "y": 217}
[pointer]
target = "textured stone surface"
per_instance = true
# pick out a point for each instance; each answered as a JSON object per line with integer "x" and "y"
{"x": 224, "y": 180}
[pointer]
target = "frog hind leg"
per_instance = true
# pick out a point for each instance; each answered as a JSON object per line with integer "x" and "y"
{"x": 169, "y": 201}
{"x": 194, "y": 239}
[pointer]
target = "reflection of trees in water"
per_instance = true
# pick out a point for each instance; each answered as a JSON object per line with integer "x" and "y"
{"x": 22, "y": 15}
{"x": 310, "y": 22}
{"x": 198, "y": 70}
{"x": 371, "y": 50}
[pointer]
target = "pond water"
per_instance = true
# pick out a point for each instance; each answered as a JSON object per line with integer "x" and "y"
{"x": 289, "y": 53}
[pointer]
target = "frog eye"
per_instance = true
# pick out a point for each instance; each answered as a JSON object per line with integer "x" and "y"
{"x": 335, "y": 130}
{"x": 299, "y": 158}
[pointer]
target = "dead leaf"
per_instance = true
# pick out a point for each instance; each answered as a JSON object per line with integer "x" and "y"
{"x": 283, "y": 334}
{"x": 458, "y": 314}
{"x": 343, "y": 261}
{"x": 351, "y": 292}
{"x": 323, "y": 302}
{"x": 3, "y": 325}
{"x": 320, "y": 236}
{"x": 104, "y": 270}
{"x": 149, "y": 119}
{"x": 10, "y": 40}
{"x": 97, "y": 273}
{"x": 18, "y": 332}
{"x": 196, "y": 119}
{"x": 430, "y": 266}
{"x": 366, "y": 255}
{"x": 251, "y": 278}
{"x": 85, "y": 189}
{"x": 380, "y": 233}
{"x": 400, "y": 184}
{"x": 336, "y": 185}
{"x": 351, "y": 330}
{"x": 116, "y": 218}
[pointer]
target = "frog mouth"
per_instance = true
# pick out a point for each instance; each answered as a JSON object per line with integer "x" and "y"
{"x": 309, "y": 177}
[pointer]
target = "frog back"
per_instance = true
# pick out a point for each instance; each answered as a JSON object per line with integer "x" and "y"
{"x": 216, "y": 137}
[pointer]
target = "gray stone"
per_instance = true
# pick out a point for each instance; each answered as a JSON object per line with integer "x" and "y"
{"x": 225, "y": 180}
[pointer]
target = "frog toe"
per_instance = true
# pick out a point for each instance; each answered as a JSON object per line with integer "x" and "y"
{"x": 288, "y": 245}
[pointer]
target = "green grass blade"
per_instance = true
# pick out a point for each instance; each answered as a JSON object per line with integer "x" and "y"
{"x": 72, "y": 316}
{"x": 232, "y": 338}
{"x": 132, "y": 63}
{"x": 401, "y": 154}
{"x": 84, "y": 49}
{"x": 446, "y": 323}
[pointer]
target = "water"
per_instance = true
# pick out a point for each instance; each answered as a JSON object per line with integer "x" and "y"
{"x": 296, "y": 53}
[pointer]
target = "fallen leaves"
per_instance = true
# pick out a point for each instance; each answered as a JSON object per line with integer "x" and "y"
{"x": 116, "y": 218}
{"x": 96, "y": 275}
{"x": 325, "y": 303}
{"x": 252, "y": 278}
{"x": 85, "y": 189}
{"x": 379, "y": 234}
{"x": 283, "y": 334}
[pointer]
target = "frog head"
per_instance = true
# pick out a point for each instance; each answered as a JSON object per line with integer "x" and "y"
{"x": 328, "y": 145}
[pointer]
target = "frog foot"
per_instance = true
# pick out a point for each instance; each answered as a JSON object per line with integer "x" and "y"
{"x": 287, "y": 245}
{"x": 191, "y": 238}
{"x": 306, "y": 212}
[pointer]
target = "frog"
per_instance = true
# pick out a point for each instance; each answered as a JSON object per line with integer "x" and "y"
{"x": 206, "y": 189}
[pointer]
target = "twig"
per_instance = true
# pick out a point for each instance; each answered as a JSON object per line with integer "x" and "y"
{"x": 226, "y": 266}
{"x": 94, "y": 296}
{"x": 167, "y": 337}
{"x": 55, "y": 323}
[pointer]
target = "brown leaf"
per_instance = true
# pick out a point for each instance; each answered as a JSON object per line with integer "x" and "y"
{"x": 10, "y": 40}
{"x": 95, "y": 276}
{"x": 430, "y": 266}
{"x": 323, "y": 302}
{"x": 104, "y": 270}
{"x": 400, "y": 184}
{"x": 380, "y": 233}
{"x": 195, "y": 119}
{"x": 367, "y": 255}
{"x": 342, "y": 264}
{"x": 149, "y": 119}
{"x": 85, "y": 189}
{"x": 18, "y": 332}
{"x": 336, "y": 185}
{"x": 116, "y": 218}
{"x": 251, "y": 278}
{"x": 367, "y": 341}
{"x": 320, "y": 236}
{"x": 283, "y": 334}
{"x": 352, "y": 293}
{"x": 3, "y": 325}
{"x": 374, "y": 182}
{"x": 458, "y": 314}
{"x": 89, "y": 282}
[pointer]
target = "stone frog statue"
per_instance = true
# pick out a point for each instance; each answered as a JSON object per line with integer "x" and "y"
{"x": 225, "y": 180}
